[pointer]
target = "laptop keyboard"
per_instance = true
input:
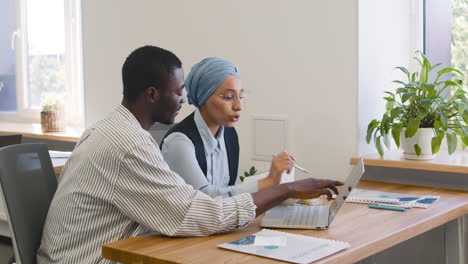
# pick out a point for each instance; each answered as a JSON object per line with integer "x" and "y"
{"x": 297, "y": 215}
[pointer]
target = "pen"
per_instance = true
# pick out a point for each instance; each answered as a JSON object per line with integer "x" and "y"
{"x": 298, "y": 167}
{"x": 387, "y": 208}
{"x": 395, "y": 205}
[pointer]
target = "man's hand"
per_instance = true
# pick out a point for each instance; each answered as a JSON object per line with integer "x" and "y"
{"x": 313, "y": 188}
{"x": 304, "y": 189}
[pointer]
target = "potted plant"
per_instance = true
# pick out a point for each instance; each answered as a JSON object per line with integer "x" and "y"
{"x": 52, "y": 114}
{"x": 248, "y": 173}
{"x": 422, "y": 112}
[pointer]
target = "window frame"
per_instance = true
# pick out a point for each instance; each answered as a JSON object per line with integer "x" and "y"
{"x": 417, "y": 37}
{"x": 73, "y": 67}
{"x": 438, "y": 25}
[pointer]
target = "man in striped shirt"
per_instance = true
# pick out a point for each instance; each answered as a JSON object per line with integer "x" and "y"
{"x": 116, "y": 182}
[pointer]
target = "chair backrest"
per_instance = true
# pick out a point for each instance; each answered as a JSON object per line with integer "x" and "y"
{"x": 7, "y": 140}
{"x": 28, "y": 184}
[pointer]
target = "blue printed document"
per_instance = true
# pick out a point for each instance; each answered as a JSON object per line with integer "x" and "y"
{"x": 286, "y": 246}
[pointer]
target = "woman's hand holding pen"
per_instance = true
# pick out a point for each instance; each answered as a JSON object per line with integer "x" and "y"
{"x": 279, "y": 164}
{"x": 282, "y": 162}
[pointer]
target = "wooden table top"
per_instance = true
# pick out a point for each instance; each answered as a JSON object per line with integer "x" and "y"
{"x": 455, "y": 163}
{"x": 58, "y": 169}
{"x": 33, "y": 130}
{"x": 369, "y": 231}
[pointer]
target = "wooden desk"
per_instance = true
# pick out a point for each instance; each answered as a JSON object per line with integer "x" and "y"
{"x": 369, "y": 231}
{"x": 445, "y": 171}
{"x": 57, "y": 169}
{"x": 34, "y": 131}
{"x": 455, "y": 163}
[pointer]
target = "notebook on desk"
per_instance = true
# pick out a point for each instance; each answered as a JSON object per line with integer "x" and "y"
{"x": 312, "y": 217}
{"x": 400, "y": 199}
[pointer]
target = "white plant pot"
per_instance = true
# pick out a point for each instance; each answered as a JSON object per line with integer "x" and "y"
{"x": 423, "y": 138}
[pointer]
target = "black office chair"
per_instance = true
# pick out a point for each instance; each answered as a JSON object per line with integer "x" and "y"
{"x": 28, "y": 185}
{"x": 7, "y": 140}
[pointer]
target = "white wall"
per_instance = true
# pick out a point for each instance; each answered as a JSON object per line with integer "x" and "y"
{"x": 298, "y": 59}
{"x": 389, "y": 34}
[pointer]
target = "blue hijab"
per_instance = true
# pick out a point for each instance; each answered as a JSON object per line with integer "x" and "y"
{"x": 205, "y": 77}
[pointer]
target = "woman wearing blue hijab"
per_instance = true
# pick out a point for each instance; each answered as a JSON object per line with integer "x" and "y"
{"x": 204, "y": 148}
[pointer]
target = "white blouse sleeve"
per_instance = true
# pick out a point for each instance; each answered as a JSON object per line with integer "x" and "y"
{"x": 179, "y": 152}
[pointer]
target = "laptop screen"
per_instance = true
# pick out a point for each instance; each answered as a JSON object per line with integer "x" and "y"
{"x": 351, "y": 181}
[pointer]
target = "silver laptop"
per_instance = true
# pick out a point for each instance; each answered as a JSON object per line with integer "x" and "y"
{"x": 312, "y": 217}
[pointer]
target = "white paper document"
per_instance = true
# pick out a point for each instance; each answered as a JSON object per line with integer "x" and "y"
{"x": 59, "y": 154}
{"x": 285, "y": 177}
{"x": 59, "y": 158}
{"x": 286, "y": 246}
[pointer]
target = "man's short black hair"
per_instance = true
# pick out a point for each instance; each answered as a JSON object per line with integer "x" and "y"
{"x": 147, "y": 66}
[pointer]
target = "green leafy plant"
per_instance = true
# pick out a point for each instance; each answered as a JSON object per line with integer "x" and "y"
{"x": 421, "y": 103}
{"x": 248, "y": 173}
{"x": 52, "y": 102}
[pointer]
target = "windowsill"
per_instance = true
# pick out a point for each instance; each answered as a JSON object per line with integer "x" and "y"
{"x": 455, "y": 163}
{"x": 33, "y": 130}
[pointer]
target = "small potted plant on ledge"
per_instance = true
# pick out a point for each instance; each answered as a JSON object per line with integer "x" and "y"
{"x": 52, "y": 114}
{"x": 248, "y": 173}
{"x": 422, "y": 112}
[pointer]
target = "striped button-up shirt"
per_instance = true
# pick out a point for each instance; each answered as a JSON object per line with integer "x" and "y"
{"x": 115, "y": 184}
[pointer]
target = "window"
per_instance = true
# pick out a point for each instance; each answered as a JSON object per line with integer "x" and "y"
{"x": 43, "y": 58}
{"x": 446, "y": 33}
{"x": 7, "y": 58}
{"x": 460, "y": 37}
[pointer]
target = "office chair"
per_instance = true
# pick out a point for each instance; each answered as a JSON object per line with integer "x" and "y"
{"x": 7, "y": 140}
{"x": 28, "y": 185}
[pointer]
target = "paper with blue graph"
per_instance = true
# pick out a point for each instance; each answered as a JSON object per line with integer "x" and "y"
{"x": 400, "y": 199}
{"x": 286, "y": 246}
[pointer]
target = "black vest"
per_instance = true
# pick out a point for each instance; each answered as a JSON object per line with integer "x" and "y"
{"x": 189, "y": 128}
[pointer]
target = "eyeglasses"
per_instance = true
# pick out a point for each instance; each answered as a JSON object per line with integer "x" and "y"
{"x": 231, "y": 97}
